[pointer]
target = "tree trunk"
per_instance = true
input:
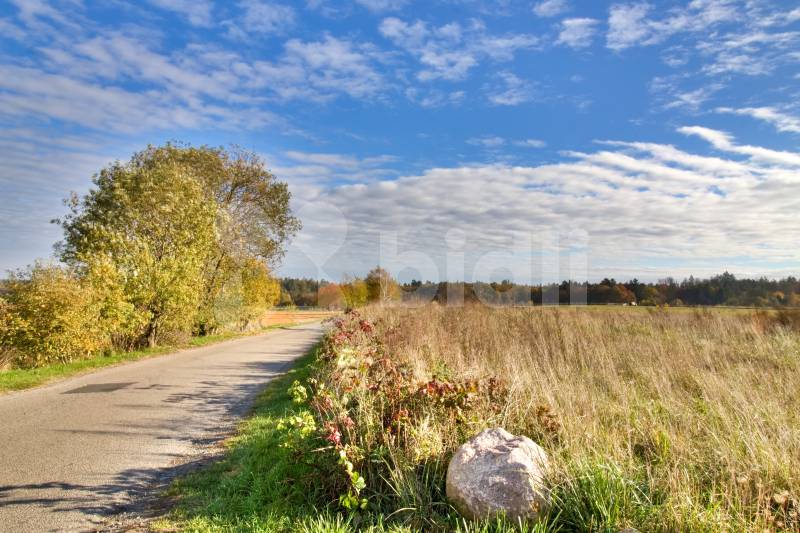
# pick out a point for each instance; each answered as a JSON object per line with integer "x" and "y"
{"x": 151, "y": 333}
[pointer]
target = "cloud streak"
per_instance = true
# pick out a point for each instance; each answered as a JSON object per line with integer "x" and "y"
{"x": 782, "y": 121}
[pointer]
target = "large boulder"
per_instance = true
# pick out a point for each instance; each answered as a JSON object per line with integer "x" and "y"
{"x": 496, "y": 472}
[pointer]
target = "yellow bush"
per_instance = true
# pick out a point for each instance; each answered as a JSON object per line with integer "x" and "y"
{"x": 247, "y": 295}
{"x": 51, "y": 315}
{"x": 8, "y": 325}
{"x": 261, "y": 290}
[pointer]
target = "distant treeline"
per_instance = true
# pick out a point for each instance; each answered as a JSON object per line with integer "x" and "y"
{"x": 724, "y": 289}
{"x": 302, "y": 292}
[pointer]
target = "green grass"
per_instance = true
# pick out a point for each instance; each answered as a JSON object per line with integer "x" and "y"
{"x": 26, "y": 378}
{"x": 253, "y": 487}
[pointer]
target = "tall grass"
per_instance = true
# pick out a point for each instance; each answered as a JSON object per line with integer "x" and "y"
{"x": 664, "y": 420}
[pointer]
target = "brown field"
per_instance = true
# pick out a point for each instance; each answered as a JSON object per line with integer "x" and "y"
{"x": 292, "y": 316}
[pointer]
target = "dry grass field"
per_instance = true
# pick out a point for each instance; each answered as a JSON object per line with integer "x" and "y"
{"x": 663, "y": 420}
{"x": 669, "y": 420}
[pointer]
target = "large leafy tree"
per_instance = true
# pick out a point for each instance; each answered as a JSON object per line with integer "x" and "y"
{"x": 254, "y": 220}
{"x": 154, "y": 221}
{"x": 354, "y": 291}
{"x": 179, "y": 224}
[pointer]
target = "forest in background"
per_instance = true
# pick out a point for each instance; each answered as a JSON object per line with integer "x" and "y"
{"x": 724, "y": 289}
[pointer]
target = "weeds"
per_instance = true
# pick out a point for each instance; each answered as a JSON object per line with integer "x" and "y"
{"x": 658, "y": 420}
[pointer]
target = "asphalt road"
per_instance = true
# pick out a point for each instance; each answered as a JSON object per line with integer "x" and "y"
{"x": 78, "y": 451}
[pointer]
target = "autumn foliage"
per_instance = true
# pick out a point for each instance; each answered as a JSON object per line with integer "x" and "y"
{"x": 178, "y": 240}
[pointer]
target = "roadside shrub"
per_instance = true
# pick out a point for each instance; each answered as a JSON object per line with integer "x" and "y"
{"x": 52, "y": 316}
{"x": 260, "y": 291}
{"x": 225, "y": 310}
{"x": 383, "y": 434}
{"x": 8, "y": 326}
{"x": 118, "y": 317}
{"x": 249, "y": 293}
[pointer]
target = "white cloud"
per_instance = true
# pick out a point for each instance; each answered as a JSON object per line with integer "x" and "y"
{"x": 577, "y": 32}
{"x": 266, "y": 17}
{"x": 338, "y": 160}
{"x": 751, "y": 53}
{"x": 86, "y": 82}
{"x": 723, "y": 141}
{"x": 511, "y": 90}
{"x": 550, "y": 8}
{"x": 321, "y": 70}
{"x": 451, "y": 51}
{"x": 495, "y": 141}
{"x": 637, "y": 203}
{"x": 27, "y": 93}
{"x": 116, "y": 57}
{"x": 629, "y": 24}
{"x": 439, "y": 50}
{"x": 332, "y": 9}
{"x": 503, "y": 47}
{"x": 197, "y": 12}
{"x": 318, "y": 71}
{"x": 65, "y": 13}
{"x": 38, "y": 168}
{"x": 433, "y": 97}
{"x": 764, "y": 15}
{"x": 675, "y": 56}
{"x": 9, "y": 30}
{"x": 315, "y": 169}
{"x": 671, "y": 95}
{"x": 692, "y": 99}
{"x": 728, "y": 37}
{"x": 488, "y": 141}
{"x": 531, "y": 143}
{"x": 782, "y": 121}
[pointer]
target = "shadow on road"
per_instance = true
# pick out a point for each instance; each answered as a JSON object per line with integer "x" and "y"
{"x": 202, "y": 417}
{"x": 135, "y": 491}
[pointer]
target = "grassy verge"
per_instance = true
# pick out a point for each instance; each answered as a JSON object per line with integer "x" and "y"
{"x": 251, "y": 488}
{"x": 26, "y": 378}
{"x": 260, "y": 485}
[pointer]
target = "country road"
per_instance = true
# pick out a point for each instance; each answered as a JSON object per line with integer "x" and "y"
{"x": 77, "y": 451}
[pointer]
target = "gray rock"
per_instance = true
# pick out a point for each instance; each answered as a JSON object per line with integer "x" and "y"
{"x": 496, "y": 472}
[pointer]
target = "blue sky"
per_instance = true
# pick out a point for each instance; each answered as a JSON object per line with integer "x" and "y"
{"x": 645, "y": 138}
